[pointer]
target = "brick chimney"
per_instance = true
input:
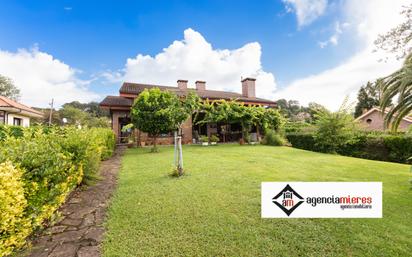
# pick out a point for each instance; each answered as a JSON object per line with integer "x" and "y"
{"x": 200, "y": 85}
{"x": 248, "y": 87}
{"x": 182, "y": 84}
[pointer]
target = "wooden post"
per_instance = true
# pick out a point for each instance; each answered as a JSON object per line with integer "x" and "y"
{"x": 51, "y": 112}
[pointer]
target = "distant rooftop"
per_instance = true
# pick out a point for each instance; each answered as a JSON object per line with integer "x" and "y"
{"x": 130, "y": 90}
{"x": 9, "y": 105}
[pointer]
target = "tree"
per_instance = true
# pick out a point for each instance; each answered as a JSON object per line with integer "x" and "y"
{"x": 368, "y": 97}
{"x": 397, "y": 84}
{"x": 334, "y": 129}
{"x": 272, "y": 120}
{"x": 157, "y": 112}
{"x": 92, "y": 108}
{"x": 398, "y": 39}
{"x": 8, "y": 89}
{"x": 73, "y": 115}
{"x": 314, "y": 108}
{"x": 76, "y": 116}
{"x": 289, "y": 108}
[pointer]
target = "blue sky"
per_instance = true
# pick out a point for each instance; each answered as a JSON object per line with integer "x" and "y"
{"x": 92, "y": 40}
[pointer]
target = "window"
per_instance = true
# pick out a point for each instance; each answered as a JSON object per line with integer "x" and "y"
{"x": 2, "y": 117}
{"x": 369, "y": 121}
{"x": 16, "y": 122}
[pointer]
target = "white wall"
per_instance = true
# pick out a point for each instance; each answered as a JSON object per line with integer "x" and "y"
{"x": 25, "y": 120}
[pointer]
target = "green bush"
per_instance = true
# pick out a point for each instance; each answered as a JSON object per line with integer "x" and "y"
{"x": 14, "y": 225}
{"x": 273, "y": 138}
{"x": 294, "y": 127}
{"x": 52, "y": 161}
{"x": 304, "y": 141}
{"x": 334, "y": 129}
{"x": 214, "y": 138}
{"x": 367, "y": 145}
{"x": 204, "y": 139}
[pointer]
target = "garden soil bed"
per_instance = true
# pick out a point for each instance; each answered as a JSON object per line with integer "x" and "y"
{"x": 80, "y": 230}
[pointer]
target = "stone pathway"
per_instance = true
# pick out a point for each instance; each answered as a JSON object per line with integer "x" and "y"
{"x": 80, "y": 231}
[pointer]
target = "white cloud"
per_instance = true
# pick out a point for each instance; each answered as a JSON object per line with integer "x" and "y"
{"x": 193, "y": 58}
{"x": 306, "y": 10}
{"x": 369, "y": 18}
{"x": 334, "y": 39}
{"x": 40, "y": 77}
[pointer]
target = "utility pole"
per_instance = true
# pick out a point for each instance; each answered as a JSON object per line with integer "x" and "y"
{"x": 51, "y": 112}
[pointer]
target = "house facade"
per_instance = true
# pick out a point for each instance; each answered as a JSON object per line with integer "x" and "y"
{"x": 374, "y": 119}
{"x": 17, "y": 114}
{"x": 119, "y": 107}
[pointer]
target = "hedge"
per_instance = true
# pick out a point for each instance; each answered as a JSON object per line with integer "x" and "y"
{"x": 45, "y": 165}
{"x": 374, "y": 146}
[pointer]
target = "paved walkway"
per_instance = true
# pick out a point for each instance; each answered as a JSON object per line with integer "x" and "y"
{"x": 80, "y": 231}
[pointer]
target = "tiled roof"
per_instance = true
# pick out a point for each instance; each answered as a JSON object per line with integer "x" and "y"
{"x": 116, "y": 101}
{"x": 377, "y": 109}
{"x": 136, "y": 88}
{"x": 8, "y": 103}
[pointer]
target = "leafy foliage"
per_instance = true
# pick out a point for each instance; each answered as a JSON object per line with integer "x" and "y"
{"x": 52, "y": 161}
{"x": 273, "y": 138}
{"x": 156, "y": 112}
{"x": 398, "y": 84}
{"x": 368, "y": 97}
{"x": 334, "y": 129}
{"x": 292, "y": 127}
{"x": 296, "y": 113}
{"x": 75, "y": 113}
{"x": 14, "y": 226}
{"x": 91, "y": 108}
{"x": 230, "y": 112}
{"x": 8, "y": 89}
{"x": 398, "y": 39}
{"x": 367, "y": 145}
{"x": 214, "y": 139}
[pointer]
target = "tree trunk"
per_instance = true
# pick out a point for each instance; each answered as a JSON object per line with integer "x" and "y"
{"x": 175, "y": 140}
{"x": 180, "y": 162}
{"x": 257, "y": 133}
{"x": 154, "y": 149}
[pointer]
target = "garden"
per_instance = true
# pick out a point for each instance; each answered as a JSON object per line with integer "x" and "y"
{"x": 214, "y": 210}
{"x": 213, "y": 207}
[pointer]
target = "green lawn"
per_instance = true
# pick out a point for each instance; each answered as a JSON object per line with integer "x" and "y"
{"x": 215, "y": 209}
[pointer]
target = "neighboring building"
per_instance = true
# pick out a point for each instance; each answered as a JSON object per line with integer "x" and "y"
{"x": 119, "y": 107}
{"x": 14, "y": 113}
{"x": 374, "y": 120}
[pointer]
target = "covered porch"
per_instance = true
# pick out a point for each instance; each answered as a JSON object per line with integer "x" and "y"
{"x": 226, "y": 132}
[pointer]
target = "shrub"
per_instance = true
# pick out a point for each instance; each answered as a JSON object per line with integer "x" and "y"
{"x": 294, "y": 127}
{"x": 14, "y": 225}
{"x": 48, "y": 172}
{"x": 273, "y": 138}
{"x": 367, "y": 145}
{"x": 214, "y": 139}
{"x": 49, "y": 162}
{"x": 399, "y": 147}
{"x": 304, "y": 141}
{"x": 334, "y": 129}
{"x": 204, "y": 139}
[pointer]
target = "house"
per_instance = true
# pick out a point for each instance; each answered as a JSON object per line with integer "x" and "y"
{"x": 119, "y": 107}
{"x": 17, "y": 114}
{"x": 374, "y": 120}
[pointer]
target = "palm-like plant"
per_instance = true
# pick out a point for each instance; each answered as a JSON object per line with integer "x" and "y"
{"x": 397, "y": 84}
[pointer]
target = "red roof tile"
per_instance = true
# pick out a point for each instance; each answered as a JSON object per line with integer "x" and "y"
{"x": 8, "y": 103}
{"x": 137, "y": 88}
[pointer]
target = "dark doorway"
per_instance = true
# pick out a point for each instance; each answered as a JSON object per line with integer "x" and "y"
{"x": 124, "y": 135}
